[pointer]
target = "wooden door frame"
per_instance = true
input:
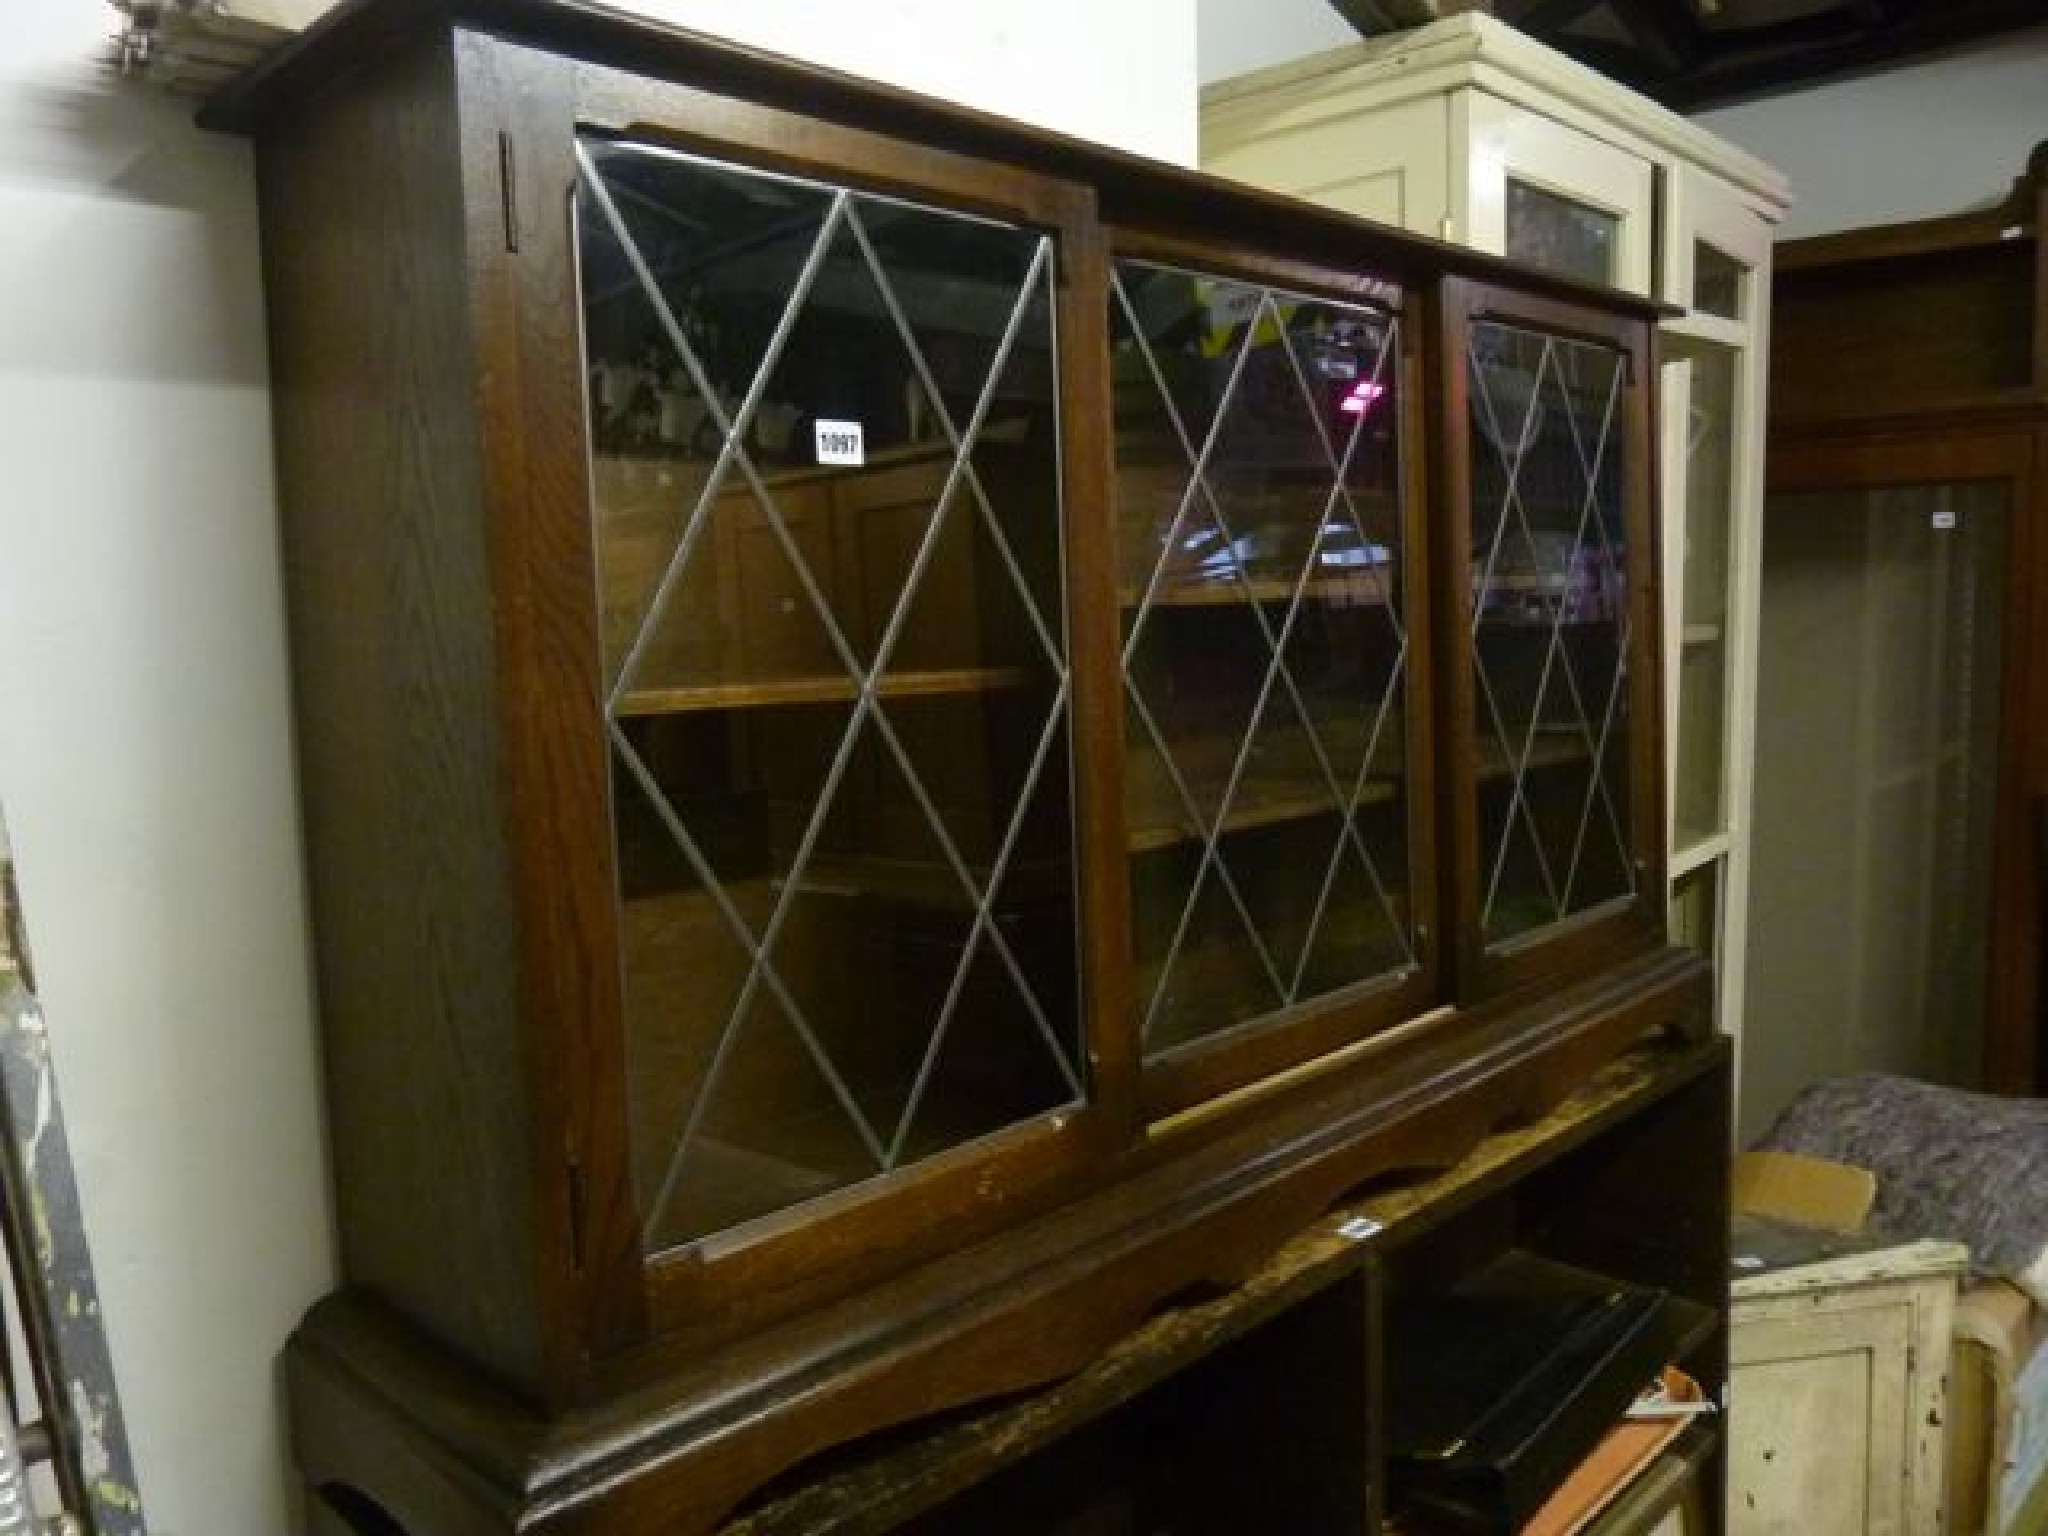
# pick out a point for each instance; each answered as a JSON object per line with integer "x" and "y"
{"x": 2008, "y": 447}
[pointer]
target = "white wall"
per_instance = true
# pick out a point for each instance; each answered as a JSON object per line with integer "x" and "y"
{"x": 145, "y": 763}
{"x": 1119, "y": 71}
{"x": 1935, "y": 137}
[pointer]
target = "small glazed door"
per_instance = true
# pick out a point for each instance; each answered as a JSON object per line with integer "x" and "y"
{"x": 1268, "y": 596}
{"x": 1546, "y": 193}
{"x": 1710, "y": 405}
{"x": 1551, "y": 676}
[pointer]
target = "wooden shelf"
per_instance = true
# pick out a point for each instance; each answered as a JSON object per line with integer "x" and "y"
{"x": 1361, "y": 590}
{"x": 818, "y": 690}
{"x": 1551, "y": 749}
{"x": 1543, "y": 584}
{"x": 931, "y": 886}
{"x": 1257, "y": 806}
{"x": 775, "y": 473}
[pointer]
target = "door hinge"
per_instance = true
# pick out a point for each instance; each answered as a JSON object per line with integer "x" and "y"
{"x": 508, "y": 191}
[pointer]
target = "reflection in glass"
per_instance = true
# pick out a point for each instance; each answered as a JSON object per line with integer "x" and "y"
{"x": 1550, "y": 626}
{"x": 1561, "y": 234}
{"x": 825, "y": 485}
{"x": 1695, "y": 913}
{"x": 1717, "y": 282}
{"x": 1878, "y": 726}
{"x": 1710, "y": 428}
{"x": 1265, "y": 654}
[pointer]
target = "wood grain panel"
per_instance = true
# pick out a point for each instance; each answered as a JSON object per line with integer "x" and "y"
{"x": 395, "y": 677}
{"x": 516, "y": 123}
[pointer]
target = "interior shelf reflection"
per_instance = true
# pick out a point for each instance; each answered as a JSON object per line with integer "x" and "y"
{"x": 770, "y": 692}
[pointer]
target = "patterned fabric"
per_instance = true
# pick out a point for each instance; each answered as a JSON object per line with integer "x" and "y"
{"x": 1967, "y": 1167}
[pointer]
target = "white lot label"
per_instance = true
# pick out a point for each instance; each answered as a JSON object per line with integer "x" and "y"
{"x": 839, "y": 443}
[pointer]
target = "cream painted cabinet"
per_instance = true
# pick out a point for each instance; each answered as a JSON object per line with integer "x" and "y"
{"x": 1837, "y": 1387}
{"x": 1469, "y": 131}
{"x": 1716, "y": 262}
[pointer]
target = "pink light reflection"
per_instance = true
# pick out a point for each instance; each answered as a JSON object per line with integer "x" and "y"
{"x": 1359, "y": 399}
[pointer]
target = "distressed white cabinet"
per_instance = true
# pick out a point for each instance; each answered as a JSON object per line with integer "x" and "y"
{"x": 1469, "y": 131}
{"x": 1837, "y": 1387}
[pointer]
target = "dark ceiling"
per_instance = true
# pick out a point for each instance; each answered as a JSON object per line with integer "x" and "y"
{"x": 1695, "y": 53}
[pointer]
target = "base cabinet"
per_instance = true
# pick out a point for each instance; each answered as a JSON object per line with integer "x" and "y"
{"x": 1250, "y": 1408}
{"x": 1838, "y": 1389}
{"x": 921, "y": 744}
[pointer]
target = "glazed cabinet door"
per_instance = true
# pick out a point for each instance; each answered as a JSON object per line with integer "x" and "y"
{"x": 1554, "y": 726}
{"x": 1712, "y": 381}
{"x": 1549, "y": 194}
{"x": 1269, "y": 603}
{"x": 828, "y": 517}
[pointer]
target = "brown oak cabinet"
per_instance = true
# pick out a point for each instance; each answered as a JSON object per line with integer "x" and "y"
{"x": 918, "y": 740}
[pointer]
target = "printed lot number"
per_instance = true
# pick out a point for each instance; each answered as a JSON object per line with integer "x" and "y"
{"x": 839, "y": 442}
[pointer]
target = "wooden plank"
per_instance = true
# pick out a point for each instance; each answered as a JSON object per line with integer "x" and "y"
{"x": 819, "y": 690}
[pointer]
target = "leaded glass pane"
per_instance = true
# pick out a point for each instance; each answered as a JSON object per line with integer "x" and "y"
{"x": 825, "y": 476}
{"x": 1550, "y": 628}
{"x": 1265, "y": 648}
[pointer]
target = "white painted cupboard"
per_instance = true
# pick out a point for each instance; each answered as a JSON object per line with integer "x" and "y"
{"x": 1837, "y": 1386}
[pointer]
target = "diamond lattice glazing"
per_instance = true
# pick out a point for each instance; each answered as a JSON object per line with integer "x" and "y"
{"x": 837, "y": 686}
{"x": 1550, "y": 626}
{"x": 1265, "y": 651}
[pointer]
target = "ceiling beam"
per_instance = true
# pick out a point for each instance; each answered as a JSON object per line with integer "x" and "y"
{"x": 1371, "y": 18}
{"x": 1540, "y": 17}
{"x": 1666, "y": 31}
{"x": 1670, "y": 56}
{"x": 1734, "y": 70}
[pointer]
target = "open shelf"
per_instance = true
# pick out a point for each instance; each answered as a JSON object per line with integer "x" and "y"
{"x": 818, "y": 690}
{"x": 1074, "y": 1434}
